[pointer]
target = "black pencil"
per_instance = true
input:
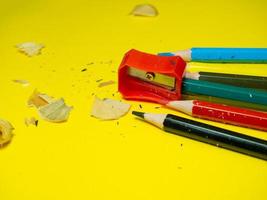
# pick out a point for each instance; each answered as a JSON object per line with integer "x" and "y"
{"x": 209, "y": 134}
{"x": 258, "y": 82}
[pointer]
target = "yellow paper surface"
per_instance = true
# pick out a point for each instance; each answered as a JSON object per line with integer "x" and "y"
{"x": 85, "y": 158}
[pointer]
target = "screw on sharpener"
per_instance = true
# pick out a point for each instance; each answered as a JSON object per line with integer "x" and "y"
{"x": 150, "y": 77}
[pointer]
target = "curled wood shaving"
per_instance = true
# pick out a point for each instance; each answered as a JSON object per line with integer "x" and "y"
{"x": 49, "y": 108}
{"x": 30, "y": 48}
{"x": 56, "y": 111}
{"x": 109, "y": 109}
{"x": 145, "y": 10}
{"x": 38, "y": 99}
{"x": 5, "y": 132}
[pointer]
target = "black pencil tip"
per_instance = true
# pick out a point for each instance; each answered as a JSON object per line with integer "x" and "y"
{"x": 138, "y": 114}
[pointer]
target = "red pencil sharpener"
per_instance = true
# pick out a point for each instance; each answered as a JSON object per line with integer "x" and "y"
{"x": 150, "y": 77}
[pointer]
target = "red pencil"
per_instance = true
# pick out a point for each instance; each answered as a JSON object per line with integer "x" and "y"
{"x": 222, "y": 113}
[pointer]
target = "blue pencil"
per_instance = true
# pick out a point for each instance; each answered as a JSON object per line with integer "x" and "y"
{"x": 222, "y": 55}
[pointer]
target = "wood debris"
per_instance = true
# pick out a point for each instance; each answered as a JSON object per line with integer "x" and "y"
{"x": 38, "y": 99}
{"x": 49, "y": 109}
{"x": 56, "y": 111}
{"x": 31, "y": 121}
{"x": 6, "y": 134}
{"x": 99, "y": 80}
{"x": 109, "y": 109}
{"x": 145, "y": 10}
{"x": 30, "y": 48}
{"x": 106, "y": 83}
{"x": 22, "y": 82}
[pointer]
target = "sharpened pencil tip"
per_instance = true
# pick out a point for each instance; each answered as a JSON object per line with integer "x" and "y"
{"x": 138, "y": 114}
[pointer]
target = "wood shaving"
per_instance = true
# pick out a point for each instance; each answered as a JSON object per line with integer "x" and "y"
{"x": 103, "y": 84}
{"x": 145, "y": 10}
{"x": 37, "y": 99}
{"x": 31, "y": 121}
{"x": 22, "y": 82}
{"x": 48, "y": 108}
{"x": 109, "y": 109}
{"x": 30, "y": 48}
{"x": 5, "y": 132}
{"x": 99, "y": 80}
{"x": 57, "y": 111}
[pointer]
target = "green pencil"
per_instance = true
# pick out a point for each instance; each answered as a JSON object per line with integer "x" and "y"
{"x": 224, "y": 91}
{"x": 259, "y": 82}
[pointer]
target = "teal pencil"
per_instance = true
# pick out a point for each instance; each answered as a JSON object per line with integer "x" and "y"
{"x": 224, "y": 91}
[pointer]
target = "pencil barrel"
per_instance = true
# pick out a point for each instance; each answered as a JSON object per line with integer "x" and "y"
{"x": 235, "y": 79}
{"x": 224, "y": 91}
{"x": 229, "y": 114}
{"x": 216, "y": 136}
{"x": 241, "y": 104}
{"x": 230, "y": 55}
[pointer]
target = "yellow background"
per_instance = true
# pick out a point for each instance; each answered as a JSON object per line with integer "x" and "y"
{"x": 85, "y": 158}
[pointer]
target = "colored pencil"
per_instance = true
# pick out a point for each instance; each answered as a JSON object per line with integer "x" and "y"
{"x": 206, "y": 133}
{"x": 224, "y": 91}
{"x": 222, "y": 113}
{"x": 230, "y": 102}
{"x": 258, "y": 82}
{"x": 222, "y": 55}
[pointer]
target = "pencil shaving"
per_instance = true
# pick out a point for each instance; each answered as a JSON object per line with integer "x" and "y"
{"x": 103, "y": 84}
{"x": 30, "y": 48}
{"x": 109, "y": 109}
{"x": 37, "y": 99}
{"x": 31, "y": 121}
{"x": 48, "y": 108}
{"x": 5, "y": 132}
{"x": 57, "y": 111}
{"x": 22, "y": 82}
{"x": 145, "y": 10}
